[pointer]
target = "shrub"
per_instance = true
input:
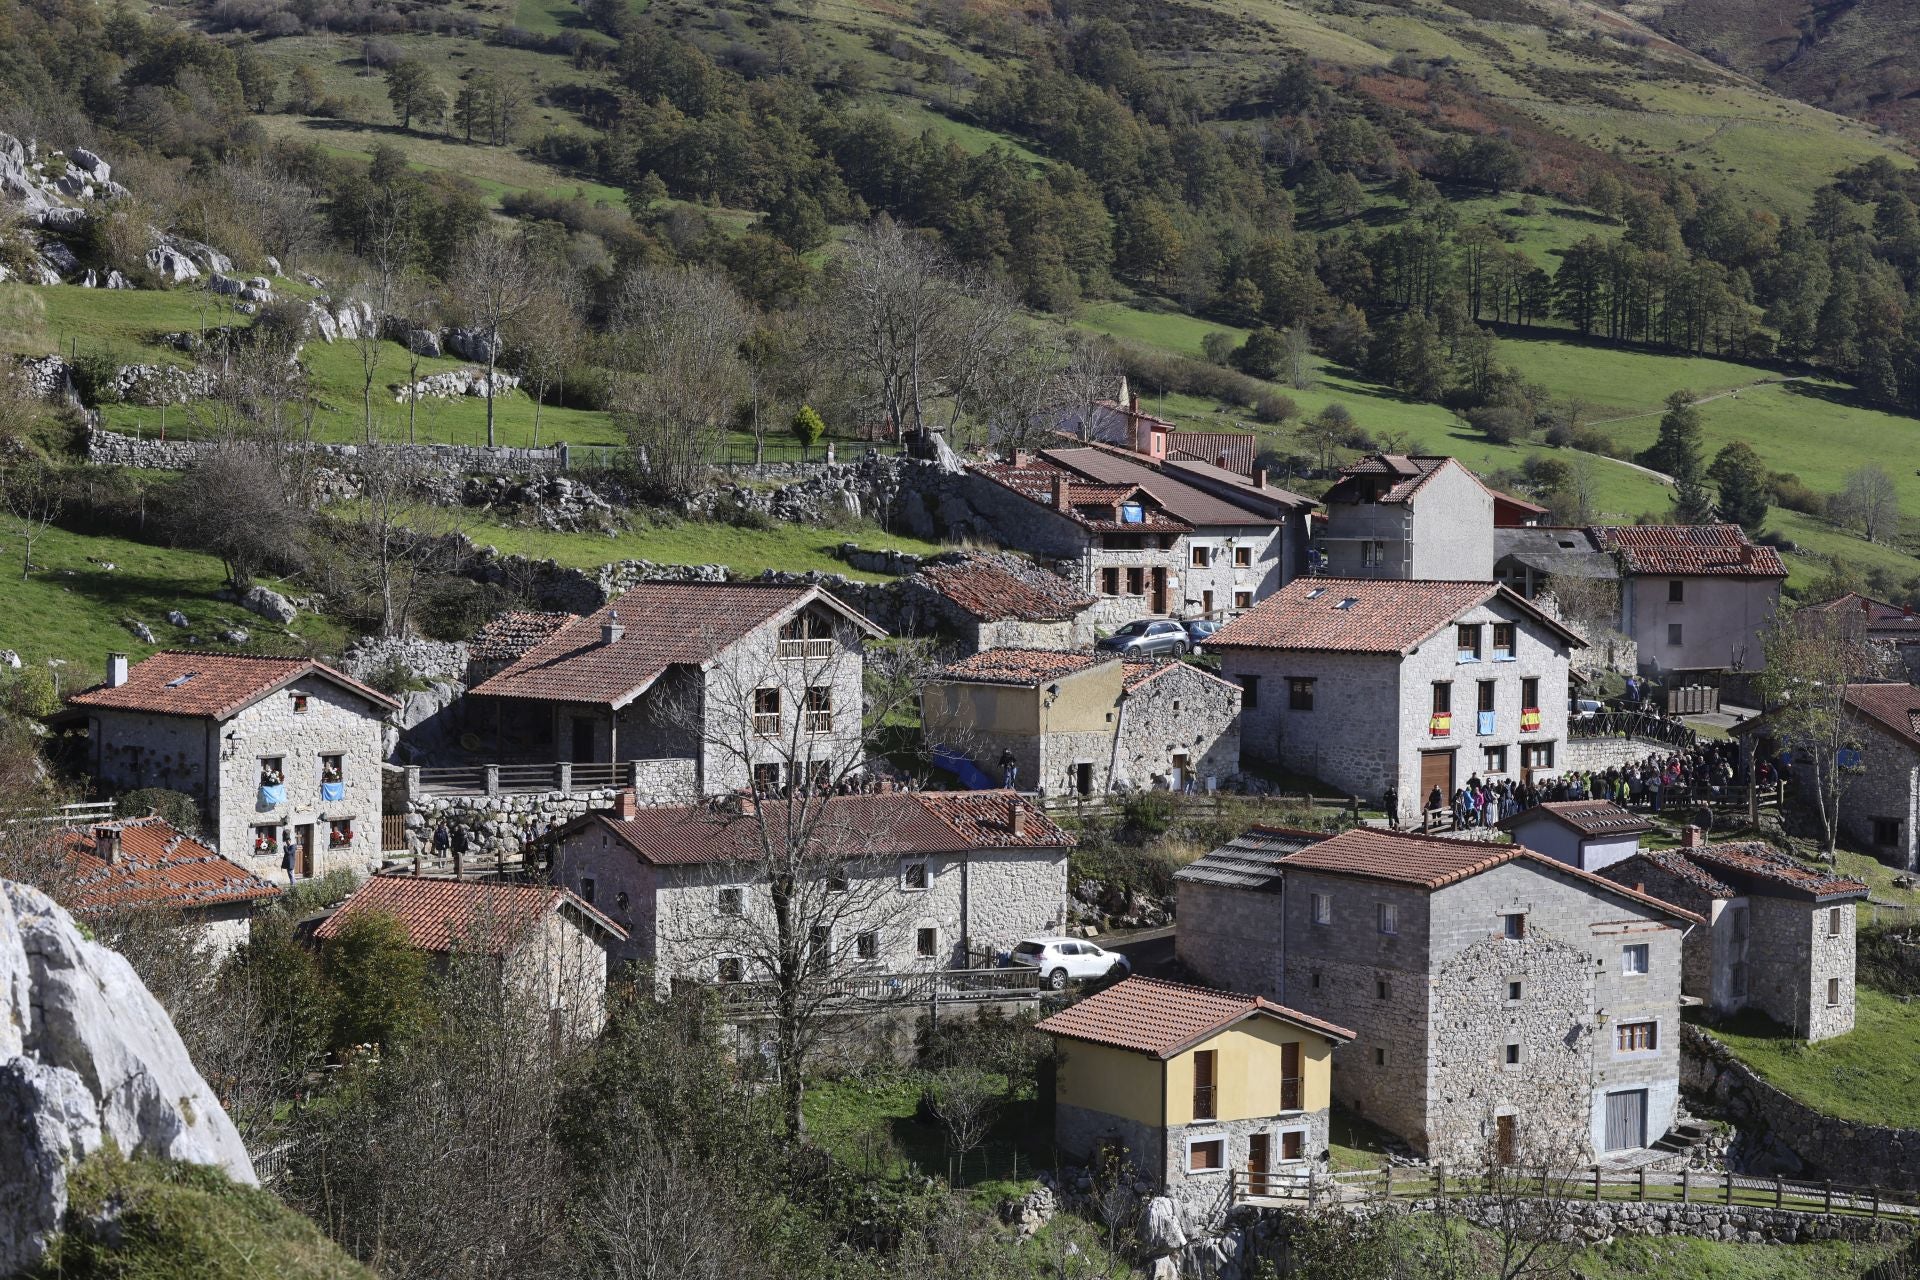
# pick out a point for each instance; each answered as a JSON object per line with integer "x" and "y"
{"x": 379, "y": 979}
{"x": 1263, "y": 354}
{"x": 1793, "y": 493}
{"x": 93, "y": 378}
{"x": 1499, "y": 423}
{"x": 180, "y": 810}
{"x": 1218, "y": 347}
{"x": 991, "y": 1039}
{"x": 1889, "y": 959}
{"x": 1274, "y": 408}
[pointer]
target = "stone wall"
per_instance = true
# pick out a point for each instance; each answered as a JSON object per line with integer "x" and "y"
{"x": 1600, "y": 754}
{"x": 1231, "y": 938}
{"x": 1183, "y": 711}
{"x": 1787, "y": 1134}
{"x": 419, "y": 657}
{"x": 1741, "y": 1224}
{"x": 112, "y": 449}
{"x": 501, "y": 824}
{"x": 1886, "y": 788}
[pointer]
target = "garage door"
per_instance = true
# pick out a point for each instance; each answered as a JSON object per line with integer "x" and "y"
{"x": 1627, "y": 1120}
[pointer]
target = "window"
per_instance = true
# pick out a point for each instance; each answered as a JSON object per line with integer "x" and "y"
{"x": 1373, "y": 554}
{"x": 732, "y": 900}
{"x": 1243, "y": 557}
{"x": 1442, "y": 697}
{"x": 333, "y": 767}
{"x": 1202, "y": 555}
{"x": 926, "y": 943}
{"x": 766, "y": 712}
{"x": 1322, "y": 907}
{"x": 1536, "y": 755}
{"x": 1109, "y": 582}
{"x": 1382, "y": 989}
{"x": 1387, "y": 917}
{"x": 1300, "y": 693}
{"x": 340, "y": 833}
{"x": 586, "y": 890}
{"x": 1673, "y": 633}
{"x": 1633, "y": 958}
{"x": 1835, "y": 918}
{"x": 1676, "y": 590}
{"x": 1347, "y": 602}
{"x": 1136, "y": 582}
{"x": 1205, "y": 1065}
{"x": 837, "y": 883}
{"x": 1503, "y": 636}
{"x": 1886, "y": 831}
{"x": 913, "y": 875}
{"x": 1637, "y": 1037}
{"x": 867, "y": 945}
{"x": 1486, "y": 693}
{"x": 1513, "y": 992}
{"x": 819, "y": 948}
{"x": 1833, "y": 991}
{"x": 807, "y": 635}
{"x": 1243, "y": 599}
{"x": 1206, "y": 1155}
{"x": 732, "y": 969}
{"x": 819, "y": 709}
{"x": 1290, "y": 1076}
{"x": 1467, "y": 643}
{"x": 1249, "y": 692}
{"x": 1316, "y": 980}
{"x": 1737, "y": 977}
{"x": 1530, "y": 692}
{"x": 299, "y": 704}
{"x": 266, "y": 839}
{"x": 1513, "y": 1055}
{"x": 1513, "y": 925}
{"x": 1379, "y": 1057}
{"x": 272, "y": 771}
{"x": 766, "y": 777}
{"x": 1493, "y": 759}
{"x": 1293, "y": 1145}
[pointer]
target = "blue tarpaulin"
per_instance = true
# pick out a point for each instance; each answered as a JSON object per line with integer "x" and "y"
{"x": 962, "y": 768}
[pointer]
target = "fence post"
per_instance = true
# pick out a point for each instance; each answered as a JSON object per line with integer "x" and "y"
{"x": 1596, "y": 1182}
{"x": 1686, "y": 1185}
{"x": 1827, "y": 1207}
{"x": 566, "y": 777}
{"x": 1729, "y": 1186}
{"x": 1440, "y": 1181}
{"x": 1643, "y": 1184}
{"x": 493, "y": 779}
{"x": 1386, "y": 1182}
{"x": 413, "y": 782}
{"x": 1876, "y": 1202}
{"x": 1779, "y": 1193}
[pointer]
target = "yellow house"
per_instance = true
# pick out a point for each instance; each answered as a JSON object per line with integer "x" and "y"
{"x": 1204, "y": 1091}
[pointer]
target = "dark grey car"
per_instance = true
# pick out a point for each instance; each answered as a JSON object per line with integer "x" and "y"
{"x": 1148, "y": 638}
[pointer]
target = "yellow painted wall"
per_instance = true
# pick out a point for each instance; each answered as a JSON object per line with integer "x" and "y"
{"x": 987, "y": 708}
{"x": 1088, "y": 700}
{"x": 1247, "y": 1076}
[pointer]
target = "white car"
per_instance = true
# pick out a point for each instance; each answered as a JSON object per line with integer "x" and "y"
{"x": 1059, "y": 959}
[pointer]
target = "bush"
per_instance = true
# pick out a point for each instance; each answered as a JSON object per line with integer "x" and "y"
{"x": 1218, "y": 347}
{"x": 380, "y": 981}
{"x": 180, "y": 810}
{"x": 1273, "y": 407}
{"x": 1889, "y": 959}
{"x": 1263, "y": 354}
{"x": 1499, "y": 423}
{"x": 991, "y": 1040}
{"x": 1793, "y": 493}
{"x": 93, "y": 378}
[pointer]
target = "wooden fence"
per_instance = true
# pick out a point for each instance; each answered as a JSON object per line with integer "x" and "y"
{"x": 1219, "y": 804}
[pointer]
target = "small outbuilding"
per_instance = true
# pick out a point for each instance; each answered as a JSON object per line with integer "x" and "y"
{"x": 1588, "y": 834}
{"x": 145, "y": 864}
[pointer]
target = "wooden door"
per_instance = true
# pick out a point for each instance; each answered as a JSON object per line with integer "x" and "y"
{"x": 1259, "y": 1161}
{"x": 583, "y": 736}
{"x": 1503, "y": 1136}
{"x": 1627, "y": 1120}
{"x": 303, "y": 851}
{"x": 1290, "y": 1080}
{"x": 1181, "y": 763}
{"x": 1159, "y": 590}
{"x": 1436, "y": 770}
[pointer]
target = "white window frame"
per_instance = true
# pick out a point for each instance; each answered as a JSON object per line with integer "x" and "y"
{"x": 1201, "y": 1139}
{"x": 926, "y": 874}
{"x": 1280, "y": 1145}
{"x": 1632, "y": 951}
{"x": 917, "y": 931}
{"x": 860, "y": 946}
{"x": 1387, "y": 918}
{"x": 1320, "y": 908}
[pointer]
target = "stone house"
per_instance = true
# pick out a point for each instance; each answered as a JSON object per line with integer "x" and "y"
{"x": 1502, "y": 1002}
{"x": 994, "y": 600}
{"x": 1588, "y": 834}
{"x": 1694, "y": 599}
{"x": 910, "y": 881}
{"x": 1395, "y": 516}
{"x": 1895, "y": 628}
{"x": 1778, "y": 937}
{"x": 145, "y": 864}
{"x": 1392, "y": 686}
{"x": 552, "y": 949}
{"x": 283, "y": 754}
{"x": 1212, "y": 1096}
{"x": 1085, "y": 723}
{"x": 710, "y": 687}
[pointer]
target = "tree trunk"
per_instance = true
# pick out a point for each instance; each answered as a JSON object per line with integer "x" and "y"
{"x": 493, "y": 351}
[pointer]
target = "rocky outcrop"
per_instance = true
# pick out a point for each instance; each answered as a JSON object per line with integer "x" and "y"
{"x": 420, "y": 658}
{"x": 87, "y": 1056}
{"x": 455, "y": 383}
{"x": 269, "y": 604}
{"x": 171, "y": 265}
{"x": 470, "y": 344}
{"x": 158, "y": 384}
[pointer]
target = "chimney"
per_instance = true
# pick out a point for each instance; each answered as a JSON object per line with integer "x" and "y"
{"x": 1060, "y": 493}
{"x": 116, "y": 670}
{"x": 1259, "y": 477}
{"x": 1021, "y": 457}
{"x": 611, "y": 630}
{"x": 1019, "y": 822}
{"x": 106, "y": 844}
{"x": 626, "y": 806}
{"x": 1133, "y": 403}
{"x": 749, "y": 804}
{"x": 1692, "y": 838}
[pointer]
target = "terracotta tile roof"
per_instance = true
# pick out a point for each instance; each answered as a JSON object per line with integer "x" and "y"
{"x": 1894, "y": 707}
{"x": 844, "y": 827}
{"x": 1383, "y": 616}
{"x": 1631, "y": 871}
{"x": 177, "y": 682}
{"x": 1138, "y": 671}
{"x": 442, "y": 915}
{"x": 1184, "y": 501}
{"x": 999, "y": 587}
{"x": 1404, "y": 476}
{"x": 664, "y": 624}
{"x": 507, "y": 636}
{"x": 1683, "y": 550}
{"x": 1588, "y": 817}
{"x": 156, "y": 867}
{"x": 1434, "y": 862}
{"x": 1881, "y": 617}
{"x": 1095, "y": 506}
{"x": 1165, "y": 1019}
{"x": 1026, "y": 667}
{"x": 1760, "y": 868}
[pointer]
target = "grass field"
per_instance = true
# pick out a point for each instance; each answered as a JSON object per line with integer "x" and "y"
{"x": 1678, "y": 1258}
{"x": 796, "y": 548}
{"x": 1868, "y": 1076}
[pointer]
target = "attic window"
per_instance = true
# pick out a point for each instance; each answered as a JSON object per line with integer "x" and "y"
{"x": 299, "y": 704}
{"x": 1316, "y": 593}
{"x": 177, "y": 681}
{"x": 1348, "y": 602}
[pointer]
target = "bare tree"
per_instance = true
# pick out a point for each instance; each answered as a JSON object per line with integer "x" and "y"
{"x": 1022, "y": 395}
{"x": 547, "y": 334}
{"x": 966, "y": 1101}
{"x": 390, "y": 545}
{"x": 772, "y": 359}
{"x": 679, "y": 332}
{"x": 494, "y": 281}
{"x": 1531, "y": 1164}
{"x": 30, "y": 494}
{"x": 1092, "y": 375}
{"x": 236, "y": 503}
{"x": 1869, "y": 503}
{"x": 1812, "y": 656}
{"x": 1589, "y": 605}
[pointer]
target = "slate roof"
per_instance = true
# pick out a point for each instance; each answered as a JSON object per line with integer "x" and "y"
{"x": 1554, "y": 551}
{"x": 918, "y": 822}
{"x": 1384, "y": 616}
{"x": 1404, "y": 476}
{"x": 213, "y": 686}
{"x": 440, "y": 915}
{"x": 1165, "y": 1019}
{"x": 1690, "y": 550}
{"x": 1434, "y": 862}
{"x": 1894, "y": 707}
{"x": 507, "y": 636}
{"x": 1881, "y": 617}
{"x": 1759, "y": 868}
{"x": 156, "y": 867}
{"x": 996, "y": 587}
{"x": 1587, "y": 817}
{"x": 1185, "y": 501}
{"x": 664, "y": 624}
{"x": 1028, "y": 668}
{"x": 1090, "y": 505}
{"x": 1251, "y": 860}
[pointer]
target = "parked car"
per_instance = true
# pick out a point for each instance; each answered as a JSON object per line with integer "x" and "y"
{"x": 1060, "y": 959}
{"x": 1586, "y": 708}
{"x": 1148, "y": 638}
{"x": 1200, "y": 630}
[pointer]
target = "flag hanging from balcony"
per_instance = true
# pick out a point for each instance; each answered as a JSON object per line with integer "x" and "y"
{"x": 1529, "y": 719}
{"x": 1441, "y": 724}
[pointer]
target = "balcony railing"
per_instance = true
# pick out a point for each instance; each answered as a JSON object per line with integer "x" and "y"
{"x": 807, "y": 648}
{"x": 1290, "y": 1093}
{"x": 766, "y": 724}
{"x": 819, "y": 722}
{"x": 1203, "y": 1102}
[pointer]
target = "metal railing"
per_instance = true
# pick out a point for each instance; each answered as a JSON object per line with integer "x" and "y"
{"x": 1641, "y": 725}
{"x": 67, "y": 815}
{"x": 564, "y": 777}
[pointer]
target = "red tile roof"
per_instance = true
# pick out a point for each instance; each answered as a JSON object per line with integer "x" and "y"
{"x": 507, "y": 636}
{"x": 999, "y": 587}
{"x": 1028, "y": 668}
{"x": 1433, "y": 862}
{"x": 156, "y": 867}
{"x": 1384, "y": 616}
{"x": 1141, "y": 670}
{"x": 1094, "y": 506}
{"x": 480, "y": 915}
{"x": 1683, "y": 550}
{"x": 1880, "y": 616}
{"x": 843, "y": 827}
{"x": 1894, "y": 707}
{"x": 1588, "y": 817}
{"x": 664, "y": 624}
{"x": 1165, "y": 1019}
{"x": 214, "y": 685}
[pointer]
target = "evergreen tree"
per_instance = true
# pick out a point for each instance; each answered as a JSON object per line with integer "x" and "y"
{"x": 1744, "y": 485}
{"x": 411, "y": 90}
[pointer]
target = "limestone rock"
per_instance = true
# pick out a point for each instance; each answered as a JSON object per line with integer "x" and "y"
{"x": 471, "y": 344}
{"x": 269, "y": 604}
{"x": 225, "y": 285}
{"x": 10, "y": 658}
{"x": 141, "y": 631}
{"x": 176, "y": 618}
{"x": 172, "y": 266}
{"x": 59, "y": 257}
{"x": 235, "y": 636}
{"x": 1160, "y": 1229}
{"x": 207, "y": 257}
{"x": 423, "y": 342}
{"x": 1027, "y": 1214}
{"x": 117, "y": 281}
{"x": 51, "y": 1122}
{"x": 273, "y": 265}
{"x": 90, "y": 164}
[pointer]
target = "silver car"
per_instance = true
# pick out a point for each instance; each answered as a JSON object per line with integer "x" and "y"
{"x": 1148, "y": 638}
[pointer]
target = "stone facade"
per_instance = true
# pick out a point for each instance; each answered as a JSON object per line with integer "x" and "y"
{"x": 1178, "y": 726}
{"x": 1880, "y": 805}
{"x": 500, "y": 825}
{"x": 562, "y": 968}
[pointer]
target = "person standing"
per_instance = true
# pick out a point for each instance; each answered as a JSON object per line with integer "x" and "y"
{"x": 1391, "y": 803}
{"x": 289, "y": 856}
{"x": 1009, "y": 770}
{"x": 459, "y": 843}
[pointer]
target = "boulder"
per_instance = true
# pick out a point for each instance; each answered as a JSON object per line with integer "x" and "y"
{"x": 89, "y": 163}
{"x": 270, "y": 605}
{"x": 176, "y": 618}
{"x": 172, "y": 266}
{"x": 207, "y": 257}
{"x": 60, "y": 218}
{"x": 273, "y": 265}
{"x": 261, "y": 283}
{"x": 51, "y": 1123}
{"x": 471, "y": 344}
{"x": 141, "y": 631}
{"x": 59, "y": 257}
{"x": 423, "y": 342}
{"x": 73, "y": 185}
{"x": 226, "y": 286}
{"x": 235, "y": 636}
{"x": 117, "y": 281}
{"x": 1160, "y": 1229}
{"x": 1027, "y": 1214}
